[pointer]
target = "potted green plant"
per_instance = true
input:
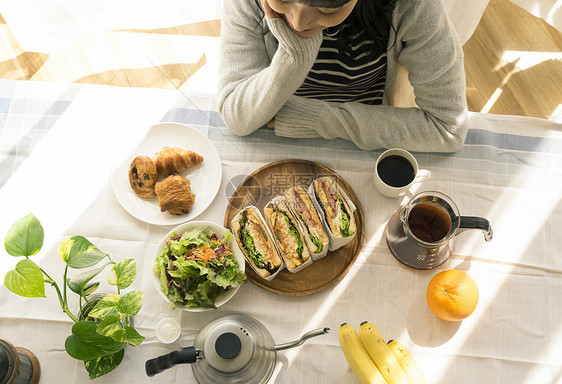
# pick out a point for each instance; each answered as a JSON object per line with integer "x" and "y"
{"x": 98, "y": 337}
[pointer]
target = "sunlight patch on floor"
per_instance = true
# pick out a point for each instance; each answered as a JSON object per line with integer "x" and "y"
{"x": 557, "y": 114}
{"x": 523, "y": 60}
{"x": 527, "y": 60}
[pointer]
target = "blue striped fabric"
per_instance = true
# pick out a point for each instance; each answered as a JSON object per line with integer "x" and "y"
{"x": 513, "y": 142}
{"x": 487, "y": 157}
{"x": 4, "y": 104}
{"x": 475, "y": 137}
{"x": 25, "y": 120}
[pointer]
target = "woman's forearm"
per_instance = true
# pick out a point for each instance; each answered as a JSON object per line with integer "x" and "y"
{"x": 253, "y": 89}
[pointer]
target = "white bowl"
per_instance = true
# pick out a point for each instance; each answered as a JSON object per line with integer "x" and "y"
{"x": 220, "y": 231}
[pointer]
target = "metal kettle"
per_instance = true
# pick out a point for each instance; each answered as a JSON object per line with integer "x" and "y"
{"x": 234, "y": 348}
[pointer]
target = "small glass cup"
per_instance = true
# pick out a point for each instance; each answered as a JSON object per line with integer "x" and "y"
{"x": 168, "y": 330}
{"x": 396, "y": 170}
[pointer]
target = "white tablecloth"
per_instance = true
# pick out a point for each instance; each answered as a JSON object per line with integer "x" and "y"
{"x": 59, "y": 143}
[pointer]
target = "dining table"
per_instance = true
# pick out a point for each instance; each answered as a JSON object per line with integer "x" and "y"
{"x": 61, "y": 144}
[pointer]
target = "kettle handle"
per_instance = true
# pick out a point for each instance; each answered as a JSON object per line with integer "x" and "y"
{"x": 185, "y": 355}
{"x": 472, "y": 222}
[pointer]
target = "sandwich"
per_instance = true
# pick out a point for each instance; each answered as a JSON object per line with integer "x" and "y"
{"x": 286, "y": 233}
{"x": 301, "y": 206}
{"x": 256, "y": 243}
{"x": 337, "y": 213}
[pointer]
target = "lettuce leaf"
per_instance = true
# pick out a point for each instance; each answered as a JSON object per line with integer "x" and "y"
{"x": 345, "y": 222}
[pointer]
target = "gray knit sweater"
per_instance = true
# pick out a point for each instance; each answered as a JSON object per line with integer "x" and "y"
{"x": 262, "y": 63}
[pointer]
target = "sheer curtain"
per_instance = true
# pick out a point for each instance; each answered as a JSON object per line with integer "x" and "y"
{"x": 465, "y": 15}
{"x": 549, "y": 10}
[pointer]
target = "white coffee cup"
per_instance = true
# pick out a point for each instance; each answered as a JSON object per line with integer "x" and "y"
{"x": 396, "y": 170}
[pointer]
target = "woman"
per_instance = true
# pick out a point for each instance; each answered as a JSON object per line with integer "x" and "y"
{"x": 346, "y": 69}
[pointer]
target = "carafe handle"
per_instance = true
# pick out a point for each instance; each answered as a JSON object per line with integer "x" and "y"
{"x": 186, "y": 355}
{"x": 472, "y": 222}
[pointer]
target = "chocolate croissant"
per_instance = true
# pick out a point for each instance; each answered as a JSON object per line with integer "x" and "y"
{"x": 143, "y": 176}
{"x": 175, "y": 160}
{"x": 174, "y": 195}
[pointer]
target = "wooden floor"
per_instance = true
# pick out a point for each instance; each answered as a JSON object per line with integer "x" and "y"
{"x": 513, "y": 62}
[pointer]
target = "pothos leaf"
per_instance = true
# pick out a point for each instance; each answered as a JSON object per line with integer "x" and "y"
{"x": 80, "y": 282}
{"x": 86, "y": 344}
{"x": 123, "y": 273}
{"x": 25, "y": 237}
{"x": 71, "y": 246}
{"x": 106, "y": 307}
{"x": 87, "y": 289}
{"x": 111, "y": 326}
{"x": 103, "y": 365}
{"x": 26, "y": 280}
{"x": 132, "y": 337}
{"x": 131, "y": 303}
{"x": 78, "y": 252}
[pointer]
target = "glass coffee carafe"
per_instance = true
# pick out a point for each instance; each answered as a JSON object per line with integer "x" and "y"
{"x": 421, "y": 234}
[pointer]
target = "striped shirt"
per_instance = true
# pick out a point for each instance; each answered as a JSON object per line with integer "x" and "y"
{"x": 338, "y": 79}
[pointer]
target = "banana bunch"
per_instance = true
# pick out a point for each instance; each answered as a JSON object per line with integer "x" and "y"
{"x": 373, "y": 361}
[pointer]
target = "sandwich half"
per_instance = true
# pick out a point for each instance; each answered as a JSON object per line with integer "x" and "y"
{"x": 255, "y": 242}
{"x": 338, "y": 215}
{"x": 287, "y": 234}
{"x": 301, "y": 205}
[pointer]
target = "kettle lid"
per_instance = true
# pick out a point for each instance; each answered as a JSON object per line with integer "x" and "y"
{"x": 228, "y": 346}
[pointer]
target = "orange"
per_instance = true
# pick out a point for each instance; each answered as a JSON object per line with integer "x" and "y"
{"x": 452, "y": 295}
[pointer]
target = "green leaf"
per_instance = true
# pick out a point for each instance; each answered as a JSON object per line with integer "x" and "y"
{"x": 71, "y": 244}
{"x": 132, "y": 337}
{"x": 25, "y": 237}
{"x": 131, "y": 303}
{"x": 79, "y": 282}
{"x": 26, "y": 280}
{"x": 123, "y": 273}
{"x": 78, "y": 252}
{"x": 87, "y": 289}
{"x": 86, "y": 344}
{"x": 111, "y": 326}
{"x": 87, "y": 259}
{"x": 103, "y": 365}
{"x": 106, "y": 307}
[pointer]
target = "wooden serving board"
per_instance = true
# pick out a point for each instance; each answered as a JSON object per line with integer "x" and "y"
{"x": 273, "y": 180}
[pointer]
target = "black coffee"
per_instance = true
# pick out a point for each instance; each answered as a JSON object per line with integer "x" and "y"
{"x": 429, "y": 222}
{"x": 395, "y": 171}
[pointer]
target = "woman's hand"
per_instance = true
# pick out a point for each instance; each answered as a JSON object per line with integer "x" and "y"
{"x": 270, "y": 13}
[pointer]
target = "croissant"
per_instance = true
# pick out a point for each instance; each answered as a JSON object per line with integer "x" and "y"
{"x": 175, "y": 160}
{"x": 174, "y": 195}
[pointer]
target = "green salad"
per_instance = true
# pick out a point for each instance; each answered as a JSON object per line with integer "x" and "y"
{"x": 197, "y": 267}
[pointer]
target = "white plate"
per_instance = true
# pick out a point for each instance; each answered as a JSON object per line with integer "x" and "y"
{"x": 205, "y": 178}
{"x": 220, "y": 231}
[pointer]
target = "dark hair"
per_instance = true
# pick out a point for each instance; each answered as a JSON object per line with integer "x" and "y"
{"x": 371, "y": 17}
{"x": 324, "y": 3}
{"x": 374, "y": 18}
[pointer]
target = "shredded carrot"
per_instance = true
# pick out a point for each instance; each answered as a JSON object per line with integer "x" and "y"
{"x": 204, "y": 253}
